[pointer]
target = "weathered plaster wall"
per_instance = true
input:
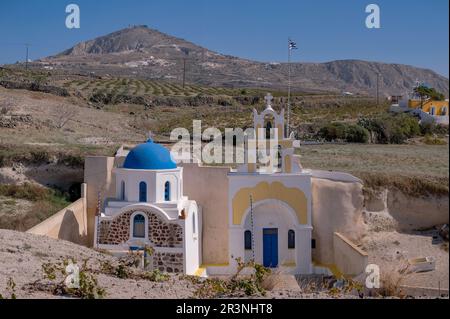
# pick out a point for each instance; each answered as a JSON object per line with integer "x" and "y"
{"x": 69, "y": 224}
{"x": 348, "y": 258}
{"x": 98, "y": 177}
{"x": 409, "y": 212}
{"x": 337, "y": 207}
{"x": 208, "y": 186}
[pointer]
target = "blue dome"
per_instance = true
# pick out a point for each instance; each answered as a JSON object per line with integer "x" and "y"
{"x": 149, "y": 155}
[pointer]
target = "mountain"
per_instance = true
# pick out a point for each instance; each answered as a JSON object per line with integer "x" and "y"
{"x": 142, "y": 52}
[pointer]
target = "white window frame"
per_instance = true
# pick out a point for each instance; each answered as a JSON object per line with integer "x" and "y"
{"x": 132, "y": 226}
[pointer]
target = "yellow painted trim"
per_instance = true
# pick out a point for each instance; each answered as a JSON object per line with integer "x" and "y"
{"x": 294, "y": 197}
{"x": 287, "y": 164}
{"x": 199, "y": 271}
{"x": 286, "y": 143}
{"x": 280, "y": 132}
{"x": 258, "y": 126}
{"x": 214, "y": 265}
{"x": 332, "y": 267}
{"x": 289, "y": 263}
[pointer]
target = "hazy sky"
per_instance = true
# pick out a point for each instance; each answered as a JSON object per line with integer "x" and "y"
{"x": 412, "y": 31}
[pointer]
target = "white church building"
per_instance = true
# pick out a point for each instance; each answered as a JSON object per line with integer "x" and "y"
{"x": 150, "y": 210}
{"x": 199, "y": 219}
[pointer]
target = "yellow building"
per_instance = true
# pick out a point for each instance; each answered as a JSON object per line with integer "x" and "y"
{"x": 431, "y": 107}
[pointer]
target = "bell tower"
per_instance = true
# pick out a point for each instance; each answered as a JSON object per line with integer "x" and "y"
{"x": 270, "y": 131}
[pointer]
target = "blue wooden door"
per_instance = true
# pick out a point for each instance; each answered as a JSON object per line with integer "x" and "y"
{"x": 270, "y": 247}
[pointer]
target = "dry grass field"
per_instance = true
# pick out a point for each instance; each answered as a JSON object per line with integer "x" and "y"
{"x": 427, "y": 166}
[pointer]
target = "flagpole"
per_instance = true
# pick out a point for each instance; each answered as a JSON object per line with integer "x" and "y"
{"x": 289, "y": 91}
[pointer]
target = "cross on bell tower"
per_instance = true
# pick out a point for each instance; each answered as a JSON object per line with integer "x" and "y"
{"x": 268, "y": 99}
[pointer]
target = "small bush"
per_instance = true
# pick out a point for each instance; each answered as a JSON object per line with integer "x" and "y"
{"x": 433, "y": 128}
{"x": 433, "y": 140}
{"x": 155, "y": 275}
{"x": 391, "y": 128}
{"x": 250, "y": 285}
{"x": 357, "y": 134}
{"x": 11, "y": 288}
{"x": 333, "y": 131}
{"x": 346, "y": 132}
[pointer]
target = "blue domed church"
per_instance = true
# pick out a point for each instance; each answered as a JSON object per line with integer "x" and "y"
{"x": 149, "y": 209}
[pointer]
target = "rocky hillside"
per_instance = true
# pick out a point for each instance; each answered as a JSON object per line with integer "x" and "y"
{"x": 146, "y": 53}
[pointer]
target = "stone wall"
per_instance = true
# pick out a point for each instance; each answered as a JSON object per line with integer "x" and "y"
{"x": 160, "y": 232}
{"x": 409, "y": 212}
{"x": 168, "y": 262}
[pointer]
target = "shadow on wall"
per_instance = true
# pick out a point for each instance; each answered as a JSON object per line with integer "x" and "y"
{"x": 69, "y": 229}
{"x": 69, "y": 224}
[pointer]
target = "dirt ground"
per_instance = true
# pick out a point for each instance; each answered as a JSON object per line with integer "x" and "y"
{"x": 391, "y": 249}
{"x": 22, "y": 256}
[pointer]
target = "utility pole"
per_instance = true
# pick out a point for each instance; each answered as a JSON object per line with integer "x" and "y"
{"x": 26, "y": 56}
{"x": 378, "y": 88}
{"x": 291, "y": 46}
{"x": 184, "y": 72}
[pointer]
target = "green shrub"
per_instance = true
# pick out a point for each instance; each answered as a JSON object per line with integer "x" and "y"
{"x": 156, "y": 275}
{"x": 433, "y": 128}
{"x": 391, "y": 128}
{"x": 333, "y": 131}
{"x": 357, "y": 134}
{"x": 346, "y": 132}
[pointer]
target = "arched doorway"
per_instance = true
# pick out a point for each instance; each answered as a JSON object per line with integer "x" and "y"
{"x": 272, "y": 221}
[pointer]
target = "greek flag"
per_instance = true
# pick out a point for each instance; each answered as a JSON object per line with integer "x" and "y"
{"x": 292, "y": 45}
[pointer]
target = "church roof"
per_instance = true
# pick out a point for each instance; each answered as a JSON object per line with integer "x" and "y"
{"x": 149, "y": 155}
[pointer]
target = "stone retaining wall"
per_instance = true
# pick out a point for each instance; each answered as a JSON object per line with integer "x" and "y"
{"x": 168, "y": 262}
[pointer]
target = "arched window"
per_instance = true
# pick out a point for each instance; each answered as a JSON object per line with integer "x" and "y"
{"x": 291, "y": 239}
{"x": 444, "y": 111}
{"x": 122, "y": 190}
{"x": 247, "y": 240}
{"x": 139, "y": 226}
{"x": 280, "y": 158}
{"x": 432, "y": 110}
{"x": 268, "y": 128}
{"x": 142, "y": 191}
{"x": 194, "y": 228}
{"x": 167, "y": 191}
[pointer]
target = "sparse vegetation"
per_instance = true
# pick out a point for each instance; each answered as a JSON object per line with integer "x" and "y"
{"x": 86, "y": 286}
{"x": 249, "y": 284}
{"x": 11, "y": 289}
{"x": 44, "y": 203}
{"x": 433, "y": 140}
{"x": 415, "y": 169}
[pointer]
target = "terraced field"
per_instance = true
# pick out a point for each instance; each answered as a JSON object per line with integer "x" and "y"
{"x": 148, "y": 87}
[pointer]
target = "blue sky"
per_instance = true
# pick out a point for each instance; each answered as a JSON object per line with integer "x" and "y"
{"x": 412, "y": 32}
